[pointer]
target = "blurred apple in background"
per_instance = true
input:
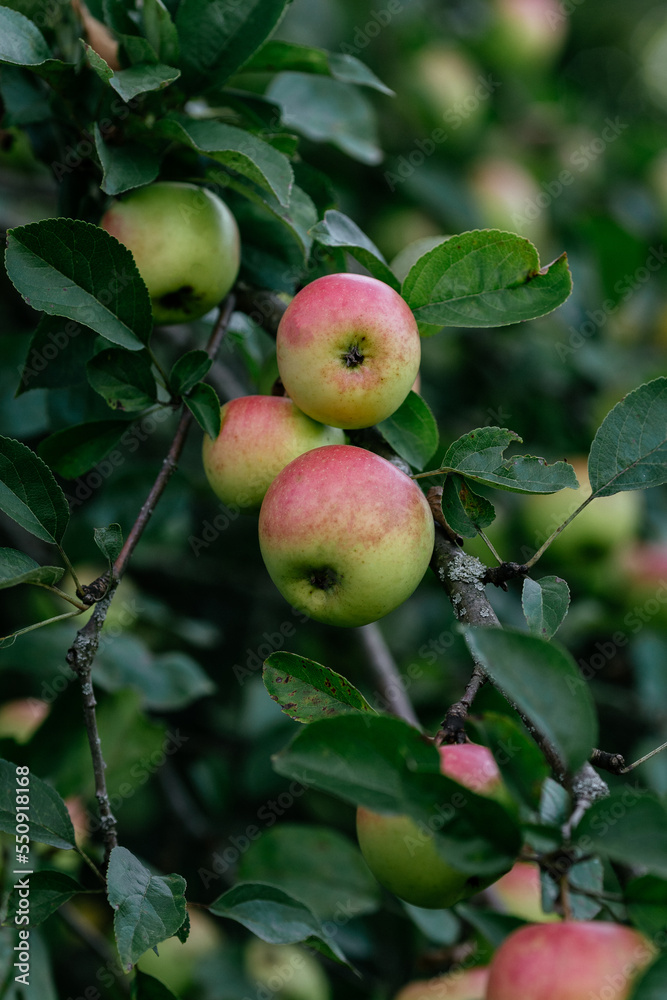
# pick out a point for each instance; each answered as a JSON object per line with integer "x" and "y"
{"x": 520, "y": 894}
{"x": 570, "y": 960}
{"x": 527, "y": 34}
{"x": 22, "y": 717}
{"x": 509, "y": 198}
{"x": 462, "y": 984}
{"x": 176, "y": 964}
{"x": 286, "y": 971}
{"x": 607, "y": 523}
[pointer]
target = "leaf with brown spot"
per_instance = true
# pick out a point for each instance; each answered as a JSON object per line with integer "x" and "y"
{"x": 306, "y": 690}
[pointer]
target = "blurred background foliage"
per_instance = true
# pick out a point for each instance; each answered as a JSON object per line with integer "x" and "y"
{"x": 544, "y": 117}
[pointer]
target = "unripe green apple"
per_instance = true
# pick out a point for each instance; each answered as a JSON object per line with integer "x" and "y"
{"x": 176, "y": 963}
{"x": 290, "y": 973}
{"x": 519, "y": 893}
{"x": 348, "y": 350}
{"x": 403, "y": 856}
{"x": 571, "y": 960}
{"x": 185, "y": 242}
{"x": 605, "y": 524}
{"x": 462, "y": 984}
{"x": 345, "y": 535}
{"x": 259, "y": 436}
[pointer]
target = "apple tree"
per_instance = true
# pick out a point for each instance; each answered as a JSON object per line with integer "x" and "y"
{"x": 216, "y": 786}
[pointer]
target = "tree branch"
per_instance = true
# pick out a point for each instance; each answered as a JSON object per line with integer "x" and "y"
{"x": 83, "y": 650}
{"x": 387, "y": 674}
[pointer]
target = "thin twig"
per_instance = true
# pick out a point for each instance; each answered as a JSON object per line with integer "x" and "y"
{"x": 387, "y": 674}
{"x": 82, "y": 652}
{"x": 173, "y": 455}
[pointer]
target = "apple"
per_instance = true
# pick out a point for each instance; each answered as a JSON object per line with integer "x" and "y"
{"x": 176, "y": 963}
{"x": 345, "y": 535}
{"x": 571, "y": 960}
{"x": 528, "y": 34}
{"x": 348, "y": 350}
{"x": 462, "y": 984}
{"x": 607, "y": 523}
{"x": 410, "y": 866}
{"x": 185, "y": 242}
{"x": 288, "y": 972}
{"x": 519, "y": 893}
{"x": 259, "y": 436}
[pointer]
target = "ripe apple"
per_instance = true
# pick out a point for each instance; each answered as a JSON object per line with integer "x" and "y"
{"x": 259, "y": 436}
{"x": 288, "y": 972}
{"x": 462, "y": 984}
{"x": 348, "y": 350}
{"x": 519, "y": 893}
{"x": 607, "y": 522}
{"x": 345, "y": 535}
{"x": 185, "y": 242}
{"x": 571, "y": 960}
{"x": 403, "y": 856}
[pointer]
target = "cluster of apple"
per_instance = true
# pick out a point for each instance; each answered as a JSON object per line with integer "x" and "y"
{"x": 548, "y": 958}
{"x": 345, "y": 535}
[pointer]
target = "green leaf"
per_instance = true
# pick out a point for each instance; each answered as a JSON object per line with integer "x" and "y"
{"x": 382, "y": 763}
{"x": 275, "y": 56}
{"x": 630, "y": 826}
{"x": 142, "y": 79}
{"x": 519, "y": 759}
{"x": 70, "y": 268}
{"x": 149, "y": 908}
{"x": 314, "y": 864}
{"x": 204, "y": 405}
{"x": 646, "y": 900}
{"x": 29, "y": 494}
{"x": 124, "y": 379}
{"x": 465, "y": 511}
{"x": 629, "y": 451}
{"x": 166, "y": 681}
{"x": 273, "y": 915}
{"x": 219, "y": 36}
{"x": 57, "y": 355}
{"x": 99, "y": 65}
{"x": 148, "y": 988}
{"x": 128, "y": 166}
{"x": 48, "y": 817}
{"x": 337, "y": 230}
{"x": 542, "y": 680}
{"x": 412, "y": 431}
{"x": 161, "y": 32}
{"x": 48, "y": 891}
{"x": 21, "y": 41}
{"x": 109, "y": 541}
{"x": 234, "y": 148}
{"x": 75, "y": 450}
{"x": 189, "y": 369}
{"x": 327, "y": 110}
{"x": 298, "y": 217}
{"x": 495, "y": 927}
{"x": 477, "y": 455}
{"x": 545, "y": 603}
{"x": 16, "y": 568}
{"x": 485, "y": 278}
{"x": 306, "y": 690}
{"x": 651, "y": 984}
